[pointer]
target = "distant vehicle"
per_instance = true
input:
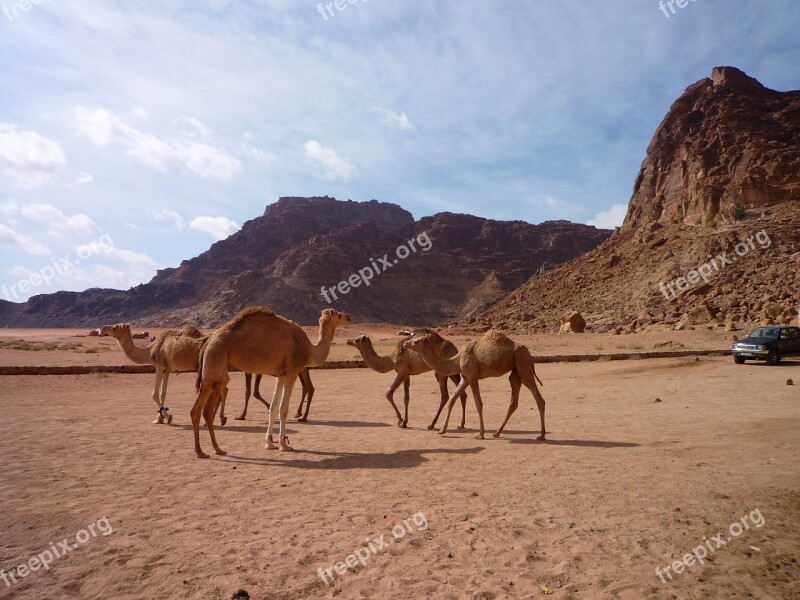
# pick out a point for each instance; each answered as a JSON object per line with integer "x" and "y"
{"x": 768, "y": 343}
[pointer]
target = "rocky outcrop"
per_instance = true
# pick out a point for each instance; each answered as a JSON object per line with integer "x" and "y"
{"x": 712, "y": 233}
{"x": 728, "y": 144}
{"x": 459, "y": 265}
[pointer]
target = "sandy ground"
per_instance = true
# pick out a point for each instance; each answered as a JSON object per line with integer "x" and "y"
{"x": 105, "y": 350}
{"x": 623, "y": 485}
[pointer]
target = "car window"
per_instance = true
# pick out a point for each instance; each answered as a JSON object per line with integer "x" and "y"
{"x": 764, "y": 332}
{"x": 794, "y": 333}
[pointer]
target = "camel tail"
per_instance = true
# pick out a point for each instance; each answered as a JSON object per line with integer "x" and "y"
{"x": 199, "y": 379}
{"x": 533, "y": 366}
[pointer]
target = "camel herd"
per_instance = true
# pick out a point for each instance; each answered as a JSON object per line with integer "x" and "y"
{"x": 259, "y": 342}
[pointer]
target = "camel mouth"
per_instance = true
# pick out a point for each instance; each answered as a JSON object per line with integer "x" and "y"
{"x": 351, "y": 342}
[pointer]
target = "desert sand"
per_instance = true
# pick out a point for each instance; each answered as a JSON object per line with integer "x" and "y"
{"x": 624, "y": 484}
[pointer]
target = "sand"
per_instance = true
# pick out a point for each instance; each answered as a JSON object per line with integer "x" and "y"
{"x": 623, "y": 485}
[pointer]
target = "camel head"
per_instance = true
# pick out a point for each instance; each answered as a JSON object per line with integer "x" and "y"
{"x": 418, "y": 342}
{"x": 117, "y": 331}
{"x": 358, "y": 342}
{"x": 333, "y": 317}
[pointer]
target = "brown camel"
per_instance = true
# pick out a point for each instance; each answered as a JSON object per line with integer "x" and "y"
{"x": 258, "y": 341}
{"x": 174, "y": 351}
{"x": 406, "y": 363}
{"x": 492, "y": 355}
{"x": 305, "y": 381}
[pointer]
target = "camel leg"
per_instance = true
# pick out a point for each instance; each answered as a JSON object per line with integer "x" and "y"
{"x": 308, "y": 387}
{"x": 406, "y": 397}
{"x": 390, "y": 397}
{"x": 210, "y": 411}
{"x": 200, "y": 402}
{"x": 443, "y": 396}
{"x": 222, "y": 418}
{"x": 273, "y": 412}
{"x": 299, "y": 414}
{"x": 248, "y": 379}
{"x": 287, "y": 396}
{"x": 537, "y": 395}
{"x": 157, "y": 395}
{"x": 461, "y": 387}
{"x": 516, "y": 383}
{"x": 457, "y": 379}
{"x": 256, "y": 393}
{"x": 163, "y": 410}
{"x": 476, "y": 396}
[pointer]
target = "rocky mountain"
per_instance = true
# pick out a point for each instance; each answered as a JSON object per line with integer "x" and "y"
{"x": 712, "y": 232}
{"x": 428, "y": 271}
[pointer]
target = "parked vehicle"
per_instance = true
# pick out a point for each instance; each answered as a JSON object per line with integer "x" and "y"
{"x": 768, "y": 343}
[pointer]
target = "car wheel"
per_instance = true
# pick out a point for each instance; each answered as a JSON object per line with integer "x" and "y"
{"x": 773, "y": 358}
{"x": 739, "y": 360}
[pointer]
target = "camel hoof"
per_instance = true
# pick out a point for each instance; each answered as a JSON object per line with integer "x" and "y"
{"x": 302, "y": 420}
{"x": 158, "y": 421}
{"x": 402, "y": 425}
{"x": 239, "y": 418}
{"x": 480, "y": 437}
{"x": 287, "y": 449}
{"x": 220, "y": 452}
{"x": 270, "y": 446}
{"x": 222, "y": 420}
{"x": 541, "y": 437}
{"x": 496, "y": 434}
{"x": 442, "y": 431}
{"x": 298, "y": 415}
{"x": 460, "y": 427}
{"x": 169, "y": 419}
{"x": 202, "y": 455}
{"x": 431, "y": 427}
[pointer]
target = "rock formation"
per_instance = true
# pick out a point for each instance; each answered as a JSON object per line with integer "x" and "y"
{"x": 712, "y": 233}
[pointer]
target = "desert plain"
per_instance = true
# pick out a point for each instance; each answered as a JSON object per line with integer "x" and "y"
{"x": 644, "y": 462}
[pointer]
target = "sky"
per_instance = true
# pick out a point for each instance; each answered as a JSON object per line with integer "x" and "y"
{"x": 133, "y": 134}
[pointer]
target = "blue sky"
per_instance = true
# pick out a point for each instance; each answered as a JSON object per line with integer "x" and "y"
{"x": 135, "y": 133}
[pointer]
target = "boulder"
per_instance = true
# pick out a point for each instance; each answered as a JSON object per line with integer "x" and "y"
{"x": 572, "y": 322}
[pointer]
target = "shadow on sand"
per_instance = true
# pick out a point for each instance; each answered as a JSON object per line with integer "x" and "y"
{"x": 402, "y": 459}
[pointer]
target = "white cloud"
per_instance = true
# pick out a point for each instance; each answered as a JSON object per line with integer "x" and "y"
{"x": 396, "y": 119}
{"x": 9, "y": 237}
{"x": 28, "y": 157}
{"x": 103, "y": 128}
{"x": 57, "y": 222}
{"x": 140, "y": 113}
{"x": 217, "y": 227}
{"x": 608, "y": 219}
{"x": 254, "y": 152}
{"x": 135, "y": 260}
{"x": 334, "y": 166}
{"x": 193, "y": 128}
{"x": 83, "y": 179}
{"x": 10, "y": 208}
{"x": 170, "y": 216}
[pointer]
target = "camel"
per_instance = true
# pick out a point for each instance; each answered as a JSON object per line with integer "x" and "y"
{"x": 305, "y": 381}
{"x": 172, "y": 351}
{"x": 406, "y": 363}
{"x": 492, "y": 355}
{"x": 257, "y": 340}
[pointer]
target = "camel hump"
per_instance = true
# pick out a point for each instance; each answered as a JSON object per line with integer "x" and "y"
{"x": 191, "y": 331}
{"x": 245, "y": 314}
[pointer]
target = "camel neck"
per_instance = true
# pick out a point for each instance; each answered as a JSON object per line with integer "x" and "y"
{"x": 141, "y": 356}
{"x": 440, "y": 364}
{"x": 381, "y": 364}
{"x": 320, "y": 350}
